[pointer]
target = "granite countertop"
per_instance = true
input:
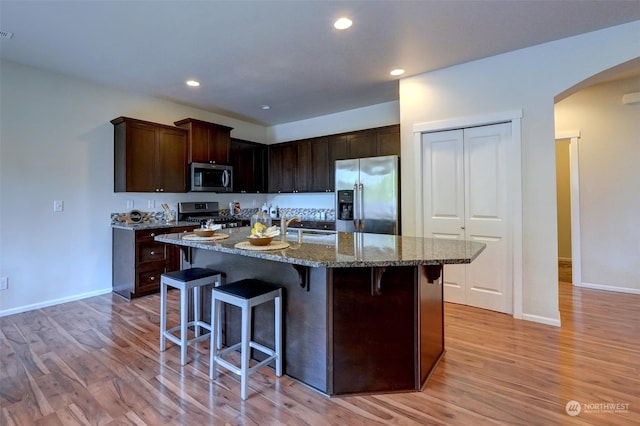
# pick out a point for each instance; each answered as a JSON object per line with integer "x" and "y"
{"x": 345, "y": 249}
{"x": 152, "y": 225}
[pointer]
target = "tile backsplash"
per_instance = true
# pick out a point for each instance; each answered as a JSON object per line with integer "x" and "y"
{"x": 302, "y": 213}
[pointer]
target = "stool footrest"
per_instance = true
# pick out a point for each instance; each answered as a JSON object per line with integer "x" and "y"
{"x": 170, "y": 336}
{"x": 237, "y": 370}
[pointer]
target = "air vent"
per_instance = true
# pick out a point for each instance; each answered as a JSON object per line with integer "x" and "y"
{"x": 5, "y": 34}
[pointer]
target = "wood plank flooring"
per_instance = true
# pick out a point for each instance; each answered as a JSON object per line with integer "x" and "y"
{"x": 96, "y": 362}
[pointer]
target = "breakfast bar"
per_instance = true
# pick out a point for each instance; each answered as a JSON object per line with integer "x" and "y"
{"x": 363, "y": 312}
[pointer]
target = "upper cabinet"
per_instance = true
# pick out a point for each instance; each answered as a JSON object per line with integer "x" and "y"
{"x": 249, "y": 161}
{"x": 149, "y": 157}
{"x": 208, "y": 142}
{"x": 308, "y": 165}
{"x": 367, "y": 143}
{"x": 283, "y": 168}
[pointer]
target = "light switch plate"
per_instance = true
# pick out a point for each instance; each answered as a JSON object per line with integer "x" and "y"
{"x": 58, "y": 205}
{"x": 129, "y": 204}
{"x": 4, "y": 283}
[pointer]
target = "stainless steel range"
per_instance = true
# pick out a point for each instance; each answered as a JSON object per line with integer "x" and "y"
{"x": 201, "y": 212}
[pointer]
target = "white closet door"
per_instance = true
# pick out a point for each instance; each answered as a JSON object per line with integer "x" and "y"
{"x": 464, "y": 196}
{"x": 486, "y": 216}
{"x": 443, "y": 199}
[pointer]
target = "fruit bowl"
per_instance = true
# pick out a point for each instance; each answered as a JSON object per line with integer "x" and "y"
{"x": 259, "y": 241}
{"x": 201, "y": 232}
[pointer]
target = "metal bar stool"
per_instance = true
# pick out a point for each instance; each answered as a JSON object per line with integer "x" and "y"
{"x": 245, "y": 294}
{"x": 186, "y": 280}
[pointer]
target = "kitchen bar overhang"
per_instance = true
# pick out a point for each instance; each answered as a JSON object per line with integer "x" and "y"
{"x": 363, "y": 312}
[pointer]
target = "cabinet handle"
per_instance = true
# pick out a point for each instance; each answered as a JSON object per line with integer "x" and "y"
{"x": 153, "y": 234}
{"x": 152, "y": 252}
{"x": 152, "y": 278}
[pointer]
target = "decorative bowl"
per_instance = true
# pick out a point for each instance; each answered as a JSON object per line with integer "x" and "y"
{"x": 201, "y": 232}
{"x": 260, "y": 241}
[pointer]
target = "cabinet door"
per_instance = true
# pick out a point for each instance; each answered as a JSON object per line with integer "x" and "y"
{"x": 249, "y": 166}
{"x": 172, "y": 160}
{"x": 275, "y": 168}
{"x": 141, "y": 158}
{"x": 208, "y": 142}
{"x": 283, "y": 161}
{"x": 199, "y": 141}
{"x": 338, "y": 148}
{"x": 220, "y": 145}
{"x": 303, "y": 172}
{"x": 388, "y": 141}
{"x": 322, "y": 169}
{"x": 362, "y": 144}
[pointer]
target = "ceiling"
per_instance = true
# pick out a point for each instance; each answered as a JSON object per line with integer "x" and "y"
{"x": 284, "y": 54}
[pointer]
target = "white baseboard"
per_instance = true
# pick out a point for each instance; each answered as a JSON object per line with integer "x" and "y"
{"x": 543, "y": 320}
{"x": 609, "y": 288}
{"x": 40, "y": 305}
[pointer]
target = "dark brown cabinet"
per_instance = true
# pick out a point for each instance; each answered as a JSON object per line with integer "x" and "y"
{"x": 249, "y": 161}
{"x": 149, "y": 157}
{"x": 138, "y": 260}
{"x": 388, "y": 140}
{"x": 367, "y": 143}
{"x": 208, "y": 142}
{"x": 308, "y": 165}
{"x": 287, "y": 162}
{"x": 321, "y": 169}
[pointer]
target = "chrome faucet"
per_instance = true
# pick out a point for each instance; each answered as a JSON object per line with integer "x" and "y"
{"x": 284, "y": 223}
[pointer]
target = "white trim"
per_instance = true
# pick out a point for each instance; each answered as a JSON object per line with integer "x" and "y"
{"x": 542, "y": 320}
{"x": 568, "y": 134}
{"x": 608, "y": 288}
{"x": 417, "y": 149}
{"x": 576, "y": 226}
{"x": 54, "y": 302}
{"x": 468, "y": 121}
{"x": 574, "y": 172}
{"x": 514, "y": 188}
{"x": 514, "y": 192}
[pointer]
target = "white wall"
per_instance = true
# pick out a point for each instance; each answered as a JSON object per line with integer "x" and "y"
{"x": 56, "y": 143}
{"x": 609, "y": 182}
{"x": 527, "y": 79}
{"x": 379, "y": 115}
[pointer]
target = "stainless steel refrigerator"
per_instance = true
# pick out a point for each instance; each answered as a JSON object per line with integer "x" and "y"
{"x": 368, "y": 195}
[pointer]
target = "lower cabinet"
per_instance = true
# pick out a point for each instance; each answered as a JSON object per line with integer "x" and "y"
{"x": 139, "y": 260}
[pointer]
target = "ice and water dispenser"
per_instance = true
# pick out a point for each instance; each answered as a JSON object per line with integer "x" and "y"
{"x": 345, "y": 204}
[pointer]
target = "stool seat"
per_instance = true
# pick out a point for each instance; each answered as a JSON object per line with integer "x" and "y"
{"x": 191, "y": 274}
{"x": 245, "y": 294}
{"x": 185, "y": 280}
{"x": 247, "y": 289}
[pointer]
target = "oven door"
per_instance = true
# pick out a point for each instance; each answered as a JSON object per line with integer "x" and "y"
{"x": 211, "y": 177}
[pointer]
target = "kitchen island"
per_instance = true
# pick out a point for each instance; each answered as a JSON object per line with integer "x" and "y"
{"x": 363, "y": 312}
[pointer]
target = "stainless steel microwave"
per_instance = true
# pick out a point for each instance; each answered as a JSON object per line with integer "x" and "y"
{"x": 207, "y": 177}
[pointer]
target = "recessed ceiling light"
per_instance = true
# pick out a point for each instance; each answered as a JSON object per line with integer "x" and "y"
{"x": 265, "y": 107}
{"x": 397, "y": 71}
{"x": 193, "y": 83}
{"x": 342, "y": 24}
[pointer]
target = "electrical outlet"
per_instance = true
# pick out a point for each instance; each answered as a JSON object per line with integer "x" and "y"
{"x": 151, "y": 204}
{"x": 4, "y": 283}
{"x": 58, "y": 205}
{"x": 129, "y": 204}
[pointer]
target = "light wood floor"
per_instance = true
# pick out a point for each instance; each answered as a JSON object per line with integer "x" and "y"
{"x": 96, "y": 361}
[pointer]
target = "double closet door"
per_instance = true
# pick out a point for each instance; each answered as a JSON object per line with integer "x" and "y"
{"x": 464, "y": 193}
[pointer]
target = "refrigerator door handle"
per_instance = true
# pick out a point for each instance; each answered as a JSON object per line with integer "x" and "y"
{"x": 355, "y": 206}
{"x": 361, "y": 207}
